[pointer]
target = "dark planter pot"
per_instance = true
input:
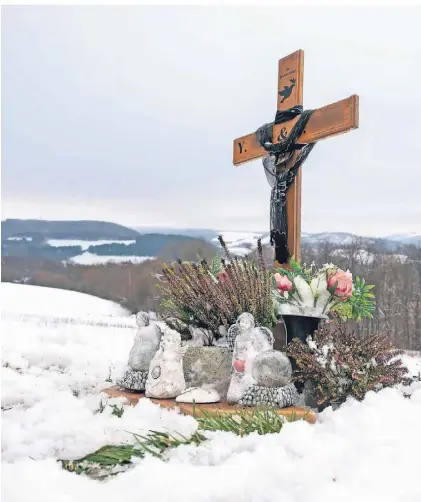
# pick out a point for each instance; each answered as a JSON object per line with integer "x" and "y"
{"x": 298, "y": 326}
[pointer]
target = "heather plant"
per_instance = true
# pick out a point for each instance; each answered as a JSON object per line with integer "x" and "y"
{"x": 340, "y": 365}
{"x": 211, "y": 295}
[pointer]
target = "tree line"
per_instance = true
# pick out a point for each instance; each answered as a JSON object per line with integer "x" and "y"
{"x": 396, "y": 276}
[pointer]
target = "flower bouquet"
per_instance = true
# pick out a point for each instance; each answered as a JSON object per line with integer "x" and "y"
{"x": 312, "y": 292}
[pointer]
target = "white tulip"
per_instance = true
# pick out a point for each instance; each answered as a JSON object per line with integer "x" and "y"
{"x": 319, "y": 288}
{"x": 304, "y": 291}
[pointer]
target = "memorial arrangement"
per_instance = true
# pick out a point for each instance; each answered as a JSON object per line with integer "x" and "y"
{"x": 214, "y": 341}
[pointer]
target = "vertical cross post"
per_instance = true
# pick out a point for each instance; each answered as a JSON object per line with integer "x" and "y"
{"x": 291, "y": 73}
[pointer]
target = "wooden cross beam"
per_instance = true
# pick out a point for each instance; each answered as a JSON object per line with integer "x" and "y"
{"x": 337, "y": 118}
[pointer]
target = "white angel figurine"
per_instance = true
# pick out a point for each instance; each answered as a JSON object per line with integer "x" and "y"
{"x": 245, "y": 323}
{"x": 166, "y": 378}
{"x": 248, "y": 343}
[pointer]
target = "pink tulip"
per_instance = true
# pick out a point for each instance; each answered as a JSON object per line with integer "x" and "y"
{"x": 283, "y": 283}
{"x": 342, "y": 282}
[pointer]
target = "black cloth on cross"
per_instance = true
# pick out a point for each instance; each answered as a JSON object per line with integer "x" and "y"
{"x": 280, "y": 178}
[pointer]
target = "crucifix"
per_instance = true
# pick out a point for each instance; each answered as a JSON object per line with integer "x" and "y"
{"x": 285, "y": 144}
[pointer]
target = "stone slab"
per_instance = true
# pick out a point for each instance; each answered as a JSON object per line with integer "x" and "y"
{"x": 208, "y": 367}
{"x": 222, "y": 406}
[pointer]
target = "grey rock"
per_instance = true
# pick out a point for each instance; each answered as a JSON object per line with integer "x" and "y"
{"x": 272, "y": 369}
{"x": 208, "y": 367}
{"x": 145, "y": 346}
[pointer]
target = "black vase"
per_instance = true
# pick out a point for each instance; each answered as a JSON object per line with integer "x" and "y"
{"x": 298, "y": 326}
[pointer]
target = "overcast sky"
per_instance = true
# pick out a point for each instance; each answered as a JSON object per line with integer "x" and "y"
{"x": 127, "y": 114}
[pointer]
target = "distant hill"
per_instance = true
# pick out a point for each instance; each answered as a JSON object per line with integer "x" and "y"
{"x": 412, "y": 238}
{"x": 63, "y": 240}
{"x": 151, "y": 245}
{"x": 110, "y": 239}
{"x": 83, "y": 230}
{"x": 198, "y": 233}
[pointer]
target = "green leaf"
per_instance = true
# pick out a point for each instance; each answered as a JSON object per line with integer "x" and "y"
{"x": 216, "y": 265}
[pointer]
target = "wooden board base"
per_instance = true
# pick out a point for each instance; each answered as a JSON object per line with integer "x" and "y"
{"x": 221, "y": 407}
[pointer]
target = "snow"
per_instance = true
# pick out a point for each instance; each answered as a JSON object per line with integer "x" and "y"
{"x": 26, "y": 299}
{"x": 19, "y": 239}
{"x": 58, "y": 350}
{"x": 84, "y": 244}
{"x": 94, "y": 259}
{"x": 241, "y": 243}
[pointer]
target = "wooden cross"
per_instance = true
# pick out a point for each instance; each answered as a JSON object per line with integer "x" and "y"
{"x": 337, "y": 118}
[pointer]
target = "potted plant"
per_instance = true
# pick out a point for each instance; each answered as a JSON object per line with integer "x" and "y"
{"x": 307, "y": 296}
{"x": 207, "y": 298}
{"x": 339, "y": 365}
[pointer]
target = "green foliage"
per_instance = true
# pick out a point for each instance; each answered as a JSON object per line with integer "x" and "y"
{"x": 216, "y": 265}
{"x": 361, "y": 304}
{"x": 296, "y": 268}
{"x": 157, "y": 443}
{"x": 261, "y": 420}
{"x": 112, "y": 455}
{"x": 362, "y": 300}
{"x": 117, "y": 410}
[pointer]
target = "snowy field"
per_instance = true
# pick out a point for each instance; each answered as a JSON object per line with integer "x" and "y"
{"x": 87, "y": 258}
{"x": 84, "y": 244}
{"x": 58, "y": 350}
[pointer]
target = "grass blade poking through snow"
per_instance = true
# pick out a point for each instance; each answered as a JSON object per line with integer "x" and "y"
{"x": 260, "y": 420}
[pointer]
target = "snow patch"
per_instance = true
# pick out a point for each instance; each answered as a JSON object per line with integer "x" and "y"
{"x": 94, "y": 259}
{"x": 19, "y": 239}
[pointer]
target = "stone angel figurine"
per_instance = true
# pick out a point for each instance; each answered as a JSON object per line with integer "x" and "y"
{"x": 245, "y": 322}
{"x": 260, "y": 375}
{"x": 166, "y": 378}
{"x": 248, "y": 343}
{"x": 146, "y": 344}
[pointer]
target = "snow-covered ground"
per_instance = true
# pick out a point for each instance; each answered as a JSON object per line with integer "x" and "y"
{"x": 84, "y": 244}
{"x": 60, "y": 347}
{"x": 19, "y": 239}
{"x": 87, "y": 258}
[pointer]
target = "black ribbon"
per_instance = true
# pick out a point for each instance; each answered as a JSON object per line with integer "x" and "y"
{"x": 279, "y": 176}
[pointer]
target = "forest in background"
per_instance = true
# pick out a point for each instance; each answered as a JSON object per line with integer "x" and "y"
{"x": 397, "y": 280}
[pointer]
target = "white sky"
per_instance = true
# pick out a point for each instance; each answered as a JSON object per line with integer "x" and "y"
{"x": 127, "y": 114}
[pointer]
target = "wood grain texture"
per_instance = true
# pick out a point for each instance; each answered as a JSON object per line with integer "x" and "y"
{"x": 293, "y": 62}
{"x": 290, "y": 80}
{"x": 331, "y": 120}
{"x": 223, "y": 406}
